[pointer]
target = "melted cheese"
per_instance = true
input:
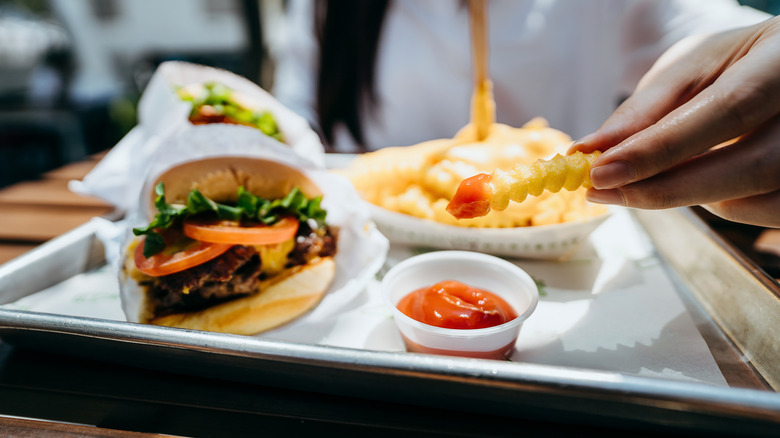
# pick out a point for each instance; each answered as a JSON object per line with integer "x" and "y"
{"x": 274, "y": 257}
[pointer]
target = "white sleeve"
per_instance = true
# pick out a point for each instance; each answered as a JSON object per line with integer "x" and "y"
{"x": 650, "y": 27}
{"x": 296, "y": 59}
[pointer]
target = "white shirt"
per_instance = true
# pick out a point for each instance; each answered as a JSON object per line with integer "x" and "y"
{"x": 569, "y": 61}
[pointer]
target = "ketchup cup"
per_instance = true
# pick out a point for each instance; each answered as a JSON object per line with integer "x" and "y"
{"x": 482, "y": 271}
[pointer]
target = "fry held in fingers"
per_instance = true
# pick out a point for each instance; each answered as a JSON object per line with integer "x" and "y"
{"x": 477, "y": 195}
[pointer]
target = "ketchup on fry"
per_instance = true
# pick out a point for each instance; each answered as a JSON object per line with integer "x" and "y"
{"x": 472, "y": 199}
{"x": 454, "y": 305}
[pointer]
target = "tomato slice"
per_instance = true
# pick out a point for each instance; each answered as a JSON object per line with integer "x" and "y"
{"x": 170, "y": 262}
{"x": 232, "y": 232}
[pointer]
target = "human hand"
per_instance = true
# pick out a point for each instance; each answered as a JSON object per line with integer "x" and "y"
{"x": 664, "y": 146}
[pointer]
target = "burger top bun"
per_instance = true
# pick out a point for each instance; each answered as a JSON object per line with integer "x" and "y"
{"x": 219, "y": 178}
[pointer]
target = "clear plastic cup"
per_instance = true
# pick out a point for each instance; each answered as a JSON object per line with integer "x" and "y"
{"x": 483, "y": 271}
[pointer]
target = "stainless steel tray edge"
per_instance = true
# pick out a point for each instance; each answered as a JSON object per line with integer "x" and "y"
{"x": 739, "y": 296}
{"x": 65, "y": 256}
{"x": 390, "y": 375}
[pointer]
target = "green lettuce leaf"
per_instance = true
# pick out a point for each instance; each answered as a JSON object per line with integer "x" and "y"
{"x": 248, "y": 208}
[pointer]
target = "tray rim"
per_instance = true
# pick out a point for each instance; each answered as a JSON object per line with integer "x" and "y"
{"x": 699, "y": 397}
{"x": 759, "y": 292}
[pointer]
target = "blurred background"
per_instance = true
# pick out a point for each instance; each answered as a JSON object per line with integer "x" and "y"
{"x": 71, "y": 71}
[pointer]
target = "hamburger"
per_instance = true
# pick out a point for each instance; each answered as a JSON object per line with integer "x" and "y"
{"x": 213, "y": 102}
{"x": 235, "y": 246}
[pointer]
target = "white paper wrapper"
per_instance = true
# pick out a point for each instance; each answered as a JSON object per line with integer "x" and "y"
{"x": 163, "y": 119}
{"x": 361, "y": 248}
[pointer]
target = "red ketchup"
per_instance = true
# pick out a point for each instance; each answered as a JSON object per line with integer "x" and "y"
{"x": 472, "y": 199}
{"x": 454, "y": 305}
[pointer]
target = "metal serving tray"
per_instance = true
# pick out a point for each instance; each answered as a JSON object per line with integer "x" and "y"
{"x": 713, "y": 280}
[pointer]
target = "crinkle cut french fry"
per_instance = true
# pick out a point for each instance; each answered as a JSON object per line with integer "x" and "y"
{"x": 477, "y": 195}
{"x": 562, "y": 171}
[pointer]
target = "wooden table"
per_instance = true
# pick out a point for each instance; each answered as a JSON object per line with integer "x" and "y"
{"x": 26, "y": 427}
{"x": 35, "y": 211}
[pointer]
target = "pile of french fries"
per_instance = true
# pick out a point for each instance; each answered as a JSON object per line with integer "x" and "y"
{"x": 420, "y": 180}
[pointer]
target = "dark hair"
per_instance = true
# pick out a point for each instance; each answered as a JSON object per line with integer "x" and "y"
{"x": 348, "y": 32}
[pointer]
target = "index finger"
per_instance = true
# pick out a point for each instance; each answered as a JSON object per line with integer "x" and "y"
{"x": 673, "y": 80}
{"x": 744, "y": 97}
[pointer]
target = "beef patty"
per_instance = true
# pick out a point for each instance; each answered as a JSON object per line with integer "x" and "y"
{"x": 234, "y": 274}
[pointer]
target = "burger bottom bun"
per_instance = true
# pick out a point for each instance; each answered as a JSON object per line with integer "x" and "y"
{"x": 280, "y": 300}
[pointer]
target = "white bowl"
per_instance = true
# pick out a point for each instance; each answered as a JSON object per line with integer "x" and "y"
{"x": 479, "y": 270}
{"x": 536, "y": 242}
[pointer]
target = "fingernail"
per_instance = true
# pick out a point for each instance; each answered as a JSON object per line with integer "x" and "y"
{"x": 585, "y": 140}
{"x": 610, "y": 196}
{"x": 581, "y": 142}
{"x": 612, "y": 174}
